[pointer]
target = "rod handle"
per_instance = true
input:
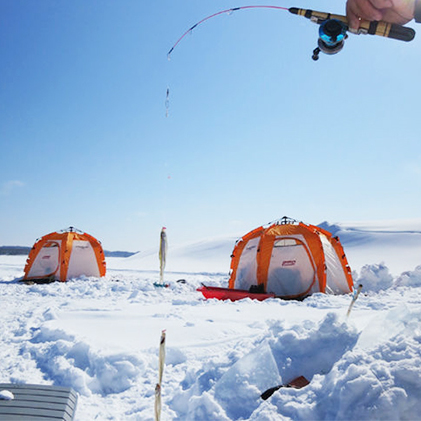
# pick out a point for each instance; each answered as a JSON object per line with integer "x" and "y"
{"x": 381, "y": 28}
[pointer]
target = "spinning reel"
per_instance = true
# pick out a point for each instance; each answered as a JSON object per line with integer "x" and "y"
{"x": 332, "y": 35}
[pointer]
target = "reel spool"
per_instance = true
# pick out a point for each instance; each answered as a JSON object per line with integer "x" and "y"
{"x": 332, "y": 35}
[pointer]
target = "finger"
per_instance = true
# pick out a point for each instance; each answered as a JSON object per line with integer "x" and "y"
{"x": 369, "y": 12}
{"x": 353, "y": 18}
{"x": 394, "y": 17}
{"x": 381, "y": 4}
{"x": 365, "y": 10}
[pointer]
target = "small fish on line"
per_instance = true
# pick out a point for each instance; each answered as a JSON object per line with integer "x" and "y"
{"x": 167, "y": 103}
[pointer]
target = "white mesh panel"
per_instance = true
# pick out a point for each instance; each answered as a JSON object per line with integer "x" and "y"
{"x": 247, "y": 266}
{"x": 82, "y": 260}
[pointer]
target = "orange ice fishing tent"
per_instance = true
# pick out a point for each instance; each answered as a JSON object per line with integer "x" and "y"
{"x": 63, "y": 255}
{"x": 290, "y": 259}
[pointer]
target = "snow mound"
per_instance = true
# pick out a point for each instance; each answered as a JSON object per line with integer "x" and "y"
{"x": 211, "y": 255}
{"x": 393, "y": 244}
{"x": 381, "y": 383}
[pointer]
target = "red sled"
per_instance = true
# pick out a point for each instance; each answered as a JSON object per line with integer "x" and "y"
{"x": 233, "y": 294}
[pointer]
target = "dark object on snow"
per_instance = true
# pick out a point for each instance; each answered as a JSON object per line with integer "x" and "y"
{"x": 28, "y": 402}
{"x": 297, "y": 383}
{"x": 161, "y": 285}
{"x": 47, "y": 280}
{"x": 257, "y": 289}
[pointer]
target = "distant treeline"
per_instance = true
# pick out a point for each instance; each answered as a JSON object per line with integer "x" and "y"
{"x": 24, "y": 251}
{"x": 14, "y": 250}
{"x": 118, "y": 253}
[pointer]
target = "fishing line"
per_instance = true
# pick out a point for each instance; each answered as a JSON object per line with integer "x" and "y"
{"x": 190, "y": 30}
{"x": 227, "y": 11}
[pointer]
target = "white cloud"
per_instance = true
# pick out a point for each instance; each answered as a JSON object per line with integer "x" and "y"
{"x": 8, "y": 186}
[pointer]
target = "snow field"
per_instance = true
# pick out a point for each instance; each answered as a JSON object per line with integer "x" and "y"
{"x": 101, "y": 337}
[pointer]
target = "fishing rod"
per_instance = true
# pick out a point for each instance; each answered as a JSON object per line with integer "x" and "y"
{"x": 332, "y": 30}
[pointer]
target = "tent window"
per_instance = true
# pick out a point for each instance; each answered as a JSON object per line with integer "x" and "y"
{"x": 50, "y": 244}
{"x": 286, "y": 242}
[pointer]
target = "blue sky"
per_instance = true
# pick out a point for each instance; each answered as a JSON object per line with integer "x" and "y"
{"x": 256, "y": 129}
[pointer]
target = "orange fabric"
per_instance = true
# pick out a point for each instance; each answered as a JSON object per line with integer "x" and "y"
{"x": 99, "y": 254}
{"x": 313, "y": 246}
{"x": 264, "y": 255}
{"x": 65, "y": 239}
{"x": 66, "y": 250}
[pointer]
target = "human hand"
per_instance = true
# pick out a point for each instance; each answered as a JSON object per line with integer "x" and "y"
{"x": 392, "y": 11}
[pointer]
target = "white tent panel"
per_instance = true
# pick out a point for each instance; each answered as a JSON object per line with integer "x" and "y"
{"x": 290, "y": 270}
{"x": 47, "y": 261}
{"x": 247, "y": 266}
{"x": 336, "y": 282}
{"x": 82, "y": 260}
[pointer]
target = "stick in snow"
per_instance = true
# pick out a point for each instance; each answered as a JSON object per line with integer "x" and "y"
{"x": 160, "y": 373}
{"x": 163, "y": 246}
{"x": 354, "y": 298}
